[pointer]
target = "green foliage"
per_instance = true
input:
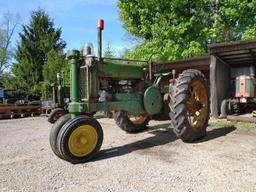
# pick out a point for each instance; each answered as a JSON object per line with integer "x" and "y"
{"x": 10, "y": 84}
{"x": 250, "y": 33}
{"x": 232, "y": 18}
{"x": 55, "y": 64}
{"x": 108, "y": 53}
{"x": 184, "y": 28}
{"x": 39, "y": 54}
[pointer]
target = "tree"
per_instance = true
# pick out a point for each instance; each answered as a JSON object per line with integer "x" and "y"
{"x": 55, "y": 63}
{"x": 184, "y": 28}
{"x": 7, "y": 29}
{"x": 108, "y": 53}
{"x": 40, "y": 49}
{"x": 232, "y": 18}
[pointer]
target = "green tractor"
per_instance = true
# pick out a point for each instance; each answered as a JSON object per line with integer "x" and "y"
{"x": 60, "y": 93}
{"x": 135, "y": 92}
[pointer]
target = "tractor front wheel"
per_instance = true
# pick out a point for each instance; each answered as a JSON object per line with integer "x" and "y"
{"x": 80, "y": 139}
{"x": 131, "y": 123}
{"x": 55, "y": 115}
{"x": 189, "y": 105}
{"x": 55, "y": 131}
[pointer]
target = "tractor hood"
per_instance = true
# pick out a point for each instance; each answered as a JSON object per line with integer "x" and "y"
{"x": 121, "y": 70}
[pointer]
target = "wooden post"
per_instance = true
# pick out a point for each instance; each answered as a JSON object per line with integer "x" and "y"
{"x": 213, "y": 87}
{"x": 219, "y": 83}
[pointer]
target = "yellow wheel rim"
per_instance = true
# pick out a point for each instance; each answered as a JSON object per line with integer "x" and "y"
{"x": 197, "y": 105}
{"x": 138, "y": 119}
{"x": 83, "y": 140}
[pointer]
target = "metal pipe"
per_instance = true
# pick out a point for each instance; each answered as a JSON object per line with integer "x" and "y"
{"x": 100, "y": 45}
{"x": 74, "y": 81}
{"x": 100, "y": 27}
{"x": 73, "y": 57}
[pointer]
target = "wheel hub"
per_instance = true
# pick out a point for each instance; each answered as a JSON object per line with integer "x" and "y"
{"x": 82, "y": 140}
{"x": 197, "y": 105}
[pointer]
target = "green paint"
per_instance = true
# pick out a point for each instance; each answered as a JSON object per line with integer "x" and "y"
{"x": 153, "y": 100}
{"x": 248, "y": 86}
{"x": 128, "y": 96}
{"x": 131, "y": 102}
{"x": 237, "y": 86}
{"x": 74, "y": 93}
{"x": 122, "y": 71}
{"x": 78, "y": 107}
{"x": 133, "y": 107}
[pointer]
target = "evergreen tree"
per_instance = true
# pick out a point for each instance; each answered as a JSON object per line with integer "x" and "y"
{"x": 39, "y": 42}
{"x": 56, "y": 63}
{"x": 108, "y": 53}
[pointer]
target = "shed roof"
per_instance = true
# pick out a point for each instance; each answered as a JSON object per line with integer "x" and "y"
{"x": 201, "y": 63}
{"x": 235, "y": 54}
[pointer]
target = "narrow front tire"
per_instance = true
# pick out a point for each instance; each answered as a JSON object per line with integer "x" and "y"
{"x": 80, "y": 139}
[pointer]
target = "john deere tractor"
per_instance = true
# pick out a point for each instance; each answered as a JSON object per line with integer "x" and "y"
{"x": 60, "y": 93}
{"x": 135, "y": 92}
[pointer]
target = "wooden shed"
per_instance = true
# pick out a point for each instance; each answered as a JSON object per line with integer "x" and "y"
{"x": 224, "y": 62}
{"x": 228, "y": 60}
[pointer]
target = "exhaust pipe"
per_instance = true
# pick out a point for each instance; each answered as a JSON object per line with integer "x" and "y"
{"x": 100, "y": 27}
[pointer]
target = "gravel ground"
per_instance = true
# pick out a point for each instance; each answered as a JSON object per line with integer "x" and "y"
{"x": 225, "y": 160}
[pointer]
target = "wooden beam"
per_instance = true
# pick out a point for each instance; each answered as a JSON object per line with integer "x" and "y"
{"x": 240, "y": 59}
{"x": 245, "y": 55}
{"x": 232, "y": 46}
{"x": 227, "y": 64}
{"x": 213, "y": 87}
{"x": 200, "y": 63}
{"x": 253, "y": 55}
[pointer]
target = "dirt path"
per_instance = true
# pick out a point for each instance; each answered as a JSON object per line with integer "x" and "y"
{"x": 225, "y": 160}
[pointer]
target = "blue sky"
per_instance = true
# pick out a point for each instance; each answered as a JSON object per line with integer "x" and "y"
{"x": 77, "y": 18}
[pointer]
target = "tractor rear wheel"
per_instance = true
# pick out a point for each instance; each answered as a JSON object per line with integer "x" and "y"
{"x": 189, "y": 105}
{"x": 55, "y": 131}
{"x": 56, "y": 114}
{"x": 80, "y": 139}
{"x": 131, "y": 123}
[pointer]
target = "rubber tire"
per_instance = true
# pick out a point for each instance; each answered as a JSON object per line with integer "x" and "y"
{"x": 177, "y": 105}
{"x": 55, "y": 115}
{"x": 127, "y": 125}
{"x": 238, "y": 108}
{"x": 55, "y": 131}
{"x": 65, "y": 132}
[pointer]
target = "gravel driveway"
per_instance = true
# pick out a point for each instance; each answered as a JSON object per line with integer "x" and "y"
{"x": 225, "y": 160}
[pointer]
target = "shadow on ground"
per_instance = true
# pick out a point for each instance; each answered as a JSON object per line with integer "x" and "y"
{"x": 161, "y": 136}
{"x": 217, "y": 132}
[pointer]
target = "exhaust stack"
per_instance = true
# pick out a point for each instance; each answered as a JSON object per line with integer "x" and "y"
{"x": 100, "y": 27}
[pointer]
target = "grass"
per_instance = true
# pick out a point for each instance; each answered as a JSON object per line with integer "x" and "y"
{"x": 225, "y": 123}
